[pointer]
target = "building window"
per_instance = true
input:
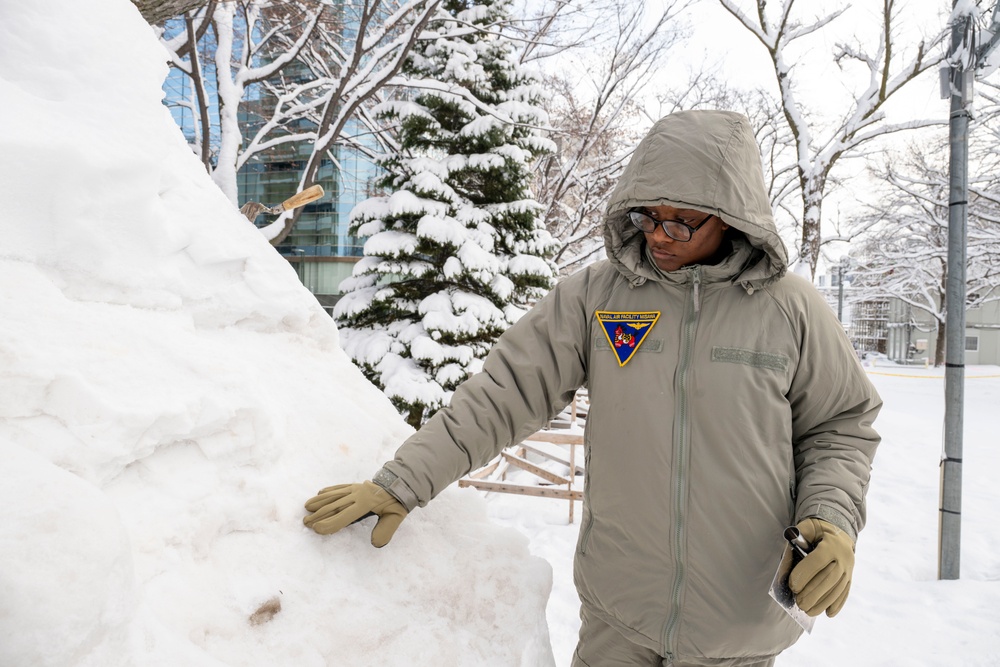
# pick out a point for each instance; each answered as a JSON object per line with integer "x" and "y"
{"x": 972, "y": 343}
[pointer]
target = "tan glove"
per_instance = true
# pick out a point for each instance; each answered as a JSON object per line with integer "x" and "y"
{"x": 822, "y": 580}
{"x": 336, "y": 507}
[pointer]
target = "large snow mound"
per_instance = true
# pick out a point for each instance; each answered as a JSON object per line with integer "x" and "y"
{"x": 170, "y": 395}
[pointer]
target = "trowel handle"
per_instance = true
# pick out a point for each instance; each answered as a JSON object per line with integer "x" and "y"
{"x": 798, "y": 542}
{"x": 302, "y": 198}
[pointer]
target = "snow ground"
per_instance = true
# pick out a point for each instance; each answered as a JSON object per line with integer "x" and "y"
{"x": 170, "y": 395}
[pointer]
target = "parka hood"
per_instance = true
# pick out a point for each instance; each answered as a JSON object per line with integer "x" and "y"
{"x": 703, "y": 160}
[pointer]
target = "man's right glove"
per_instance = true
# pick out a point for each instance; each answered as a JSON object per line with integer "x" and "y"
{"x": 822, "y": 580}
{"x": 337, "y": 507}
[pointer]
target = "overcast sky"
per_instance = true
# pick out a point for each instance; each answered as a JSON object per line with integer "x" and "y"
{"x": 718, "y": 38}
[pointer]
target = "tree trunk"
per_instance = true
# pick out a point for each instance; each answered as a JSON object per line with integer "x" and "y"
{"x": 812, "y": 220}
{"x": 158, "y": 11}
{"x": 415, "y": 417}
{"x": 939, "y": 345}
{"x": 809, "y": 252}
{"x": 204, "y": 135}
{"x": 230, "y": 93}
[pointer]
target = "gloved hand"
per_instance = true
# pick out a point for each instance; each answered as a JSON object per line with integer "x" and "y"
{"x": 822, "y": 580}
{"x": 338, "y": 506}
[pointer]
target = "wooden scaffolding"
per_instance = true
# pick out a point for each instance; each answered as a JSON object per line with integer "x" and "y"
{"x": 553, "y": 447}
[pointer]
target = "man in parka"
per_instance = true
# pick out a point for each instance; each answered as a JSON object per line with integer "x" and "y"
{"x": 726, "y": 403}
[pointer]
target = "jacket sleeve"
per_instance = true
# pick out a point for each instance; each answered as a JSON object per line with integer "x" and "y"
{"x": 833, "y": 407}
{"x": 531, "y": 374}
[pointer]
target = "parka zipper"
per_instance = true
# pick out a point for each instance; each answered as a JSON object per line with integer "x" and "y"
{"x": 585, "y": 539}
{"x": 681, "y": 452}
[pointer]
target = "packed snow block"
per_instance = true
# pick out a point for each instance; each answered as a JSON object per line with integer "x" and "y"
{"x": 96, "y": 164}
{"x": 170, "y": 395}
{"x": 67, "y": 589}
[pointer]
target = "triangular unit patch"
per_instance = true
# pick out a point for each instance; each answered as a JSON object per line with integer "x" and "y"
{"x": 626, "y": 331}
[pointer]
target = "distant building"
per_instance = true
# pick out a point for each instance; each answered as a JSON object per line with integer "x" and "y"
{"x": 319, "y": 246}
{"x": 869, "y": 330}
{"x": 914, "y": 331}
{"x": 906, "y": 334}
{"x": 829, "y": 285}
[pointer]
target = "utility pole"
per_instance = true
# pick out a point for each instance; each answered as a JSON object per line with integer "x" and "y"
{"x": 966, "y": 57}
{"x": 841, "y": 269}
{"x": 962, "y": 68}
{"x": 909, "y": 330}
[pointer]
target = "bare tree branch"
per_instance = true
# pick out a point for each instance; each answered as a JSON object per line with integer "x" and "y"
{"x": 863, "y": 121}
{"x": 595, "y": 124}
{"x": 385, "y": 31}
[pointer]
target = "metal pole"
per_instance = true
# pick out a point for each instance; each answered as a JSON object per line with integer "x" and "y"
{"x": 842, "y": 267}
{"x": 840, "y": 293}
{"x": 909, "y": 330}
{"x": 950, "y": 515}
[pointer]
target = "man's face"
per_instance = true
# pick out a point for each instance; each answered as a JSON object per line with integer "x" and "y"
{"x": 671, "y": 255}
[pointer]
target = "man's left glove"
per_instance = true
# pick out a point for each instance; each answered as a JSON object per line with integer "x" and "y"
{"x": 336, "y": 507}
{"x": 822, "y": 580}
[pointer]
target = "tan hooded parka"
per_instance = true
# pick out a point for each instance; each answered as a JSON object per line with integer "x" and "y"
{"x": 740, "y": 409}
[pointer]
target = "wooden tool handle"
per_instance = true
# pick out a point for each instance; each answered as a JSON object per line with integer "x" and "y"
{"x": 303, "y": 198}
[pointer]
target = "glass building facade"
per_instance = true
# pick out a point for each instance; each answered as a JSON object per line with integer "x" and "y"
{"x": 319, "y": 246}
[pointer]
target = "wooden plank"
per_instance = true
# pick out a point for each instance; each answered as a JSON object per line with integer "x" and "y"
{"x": 536, "y": 448}
{"x": 499, "y": 469}
{"x": 538, "y": 471}
{"x": 520, "y": 489}
{"x": 552, "y": 457}
{"x": 557, "y": 438}
{"x": 485, "y": 471}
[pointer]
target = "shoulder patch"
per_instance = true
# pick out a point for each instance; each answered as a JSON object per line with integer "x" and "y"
{"x": 625, "y": 331}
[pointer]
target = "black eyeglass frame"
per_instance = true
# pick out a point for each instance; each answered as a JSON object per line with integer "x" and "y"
{"x": 637, "y": 213}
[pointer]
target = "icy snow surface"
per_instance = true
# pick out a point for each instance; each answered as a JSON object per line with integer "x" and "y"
{"x": 170, "y": 395}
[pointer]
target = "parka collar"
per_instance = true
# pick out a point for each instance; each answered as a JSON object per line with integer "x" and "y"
{"x": 741, "y": 257}
{"x": 703, "y": 160}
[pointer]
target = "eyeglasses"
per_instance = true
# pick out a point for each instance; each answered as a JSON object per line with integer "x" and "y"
{"x": 675, "y": 229}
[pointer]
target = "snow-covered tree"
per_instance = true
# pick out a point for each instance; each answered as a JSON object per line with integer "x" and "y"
{"x": 225, "y": 49}
{"x": 455, "y": 247}
{"x": 350, "y": 69}
{"x": 706, "y": 90}
{"x": 596, "y": 121}
{"x": 548, "y": 29}
{"x": 874, "y": 74}
{"x": 320, "y": 63}
{"x": 905, "y": 254}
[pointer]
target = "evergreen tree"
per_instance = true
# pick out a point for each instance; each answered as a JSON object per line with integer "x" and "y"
{"x": 456, "y": 249}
